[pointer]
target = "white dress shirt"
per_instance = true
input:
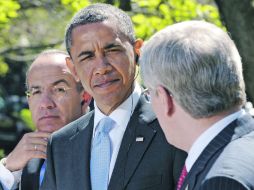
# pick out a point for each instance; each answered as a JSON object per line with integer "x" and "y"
{"x": 9, "y": 180}
{"x": 121, "y": 115}
{"x": 207, "y": 136}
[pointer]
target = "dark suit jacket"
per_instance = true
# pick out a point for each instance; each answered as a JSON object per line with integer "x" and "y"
{"x": 31, "y": 175}
{"x": 228, "y": 160}
{"x": 152, "y": 164}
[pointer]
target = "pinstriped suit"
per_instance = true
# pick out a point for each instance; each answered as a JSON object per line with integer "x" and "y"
{"x": 228, "y": 160}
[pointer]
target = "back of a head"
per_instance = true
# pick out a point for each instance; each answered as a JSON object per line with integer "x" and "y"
{"x": 100, "y": 12}
{"x": 199, "y": 65}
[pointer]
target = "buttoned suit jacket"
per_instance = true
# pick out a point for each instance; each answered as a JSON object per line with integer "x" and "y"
{"x": 31, "y": 175}
{"x": 150, "y": 164}
{"x": 228, "y": 160}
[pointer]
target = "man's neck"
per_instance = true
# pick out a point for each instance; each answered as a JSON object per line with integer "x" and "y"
{"x": 193, "y": 127}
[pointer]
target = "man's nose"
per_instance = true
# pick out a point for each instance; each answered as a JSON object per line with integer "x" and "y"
{"x": 47, "y": 101}
{"x": 102, "y": 65}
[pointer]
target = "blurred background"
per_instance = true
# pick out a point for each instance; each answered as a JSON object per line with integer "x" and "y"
{"x": 29, "y": 26}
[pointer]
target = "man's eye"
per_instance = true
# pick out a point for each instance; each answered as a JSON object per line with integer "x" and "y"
{"x": 35, "y": 92}
{"x": 87, "y": 57}
{"x": 59, "y": 89}
{"x": 113, "y": 49}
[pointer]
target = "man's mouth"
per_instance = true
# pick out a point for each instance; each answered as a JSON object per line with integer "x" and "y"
{"x": 48, "y": 117}
{"x": 105, "y": 83}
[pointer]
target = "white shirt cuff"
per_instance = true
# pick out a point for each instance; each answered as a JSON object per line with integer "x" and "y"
{"x": 8, "y": 179}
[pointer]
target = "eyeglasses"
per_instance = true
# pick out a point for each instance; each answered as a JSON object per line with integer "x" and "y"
{"x": 56, "y": 92}
{"x": 149, "y": 91}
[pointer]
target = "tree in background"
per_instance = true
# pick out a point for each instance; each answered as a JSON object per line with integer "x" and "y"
{"x": 238, "y": 17}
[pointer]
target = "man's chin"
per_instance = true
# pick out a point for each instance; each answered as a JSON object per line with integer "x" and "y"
{"x": 48, "y": 128}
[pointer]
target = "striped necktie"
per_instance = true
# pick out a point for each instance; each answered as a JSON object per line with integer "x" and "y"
{"x": 182, "y": 177}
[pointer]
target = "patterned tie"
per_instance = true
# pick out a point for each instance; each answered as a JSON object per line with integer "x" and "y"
{"x": 101, "y": 155}
{"x": 182, "y": 177}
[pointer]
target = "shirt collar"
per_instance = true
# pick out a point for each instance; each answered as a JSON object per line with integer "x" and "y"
{"x": 207, "y": 136}
{"x": 121, "y": 115}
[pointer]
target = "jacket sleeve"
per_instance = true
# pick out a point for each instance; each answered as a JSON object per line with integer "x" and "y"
{"x": 222, "y": 183}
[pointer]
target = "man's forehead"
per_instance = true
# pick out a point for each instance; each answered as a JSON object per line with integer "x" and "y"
{"x": 48, "y": 80}
{"x": 47, "y": 74}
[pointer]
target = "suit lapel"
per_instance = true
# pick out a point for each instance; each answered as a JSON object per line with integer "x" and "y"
{"x": 31, "y": 174}
{"x": 80, "y": 145}
{"x": 136, "y": 140}
{"x": 233, "y": 131}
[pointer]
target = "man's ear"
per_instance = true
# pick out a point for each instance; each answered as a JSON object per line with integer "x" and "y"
{"x": 137, "y": 46}
{"x": 71, "y": 67}
{"x": 166, "y": 100}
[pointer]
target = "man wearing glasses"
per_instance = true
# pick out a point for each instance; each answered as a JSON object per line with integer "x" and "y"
{"x": 55, "y": 99}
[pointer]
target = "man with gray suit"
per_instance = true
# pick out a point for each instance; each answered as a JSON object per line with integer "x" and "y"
{"x": 194, "y": 73}
{"x": 129, "y": 151}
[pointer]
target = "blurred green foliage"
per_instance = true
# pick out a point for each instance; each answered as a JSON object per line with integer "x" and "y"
{"x": 153, "y": 15}
{"x": 1, "y": 153}
{"x": 75, "y": 5}
{"x": 28, "y": 27}
{"x": 8, "y": 10}
{"x": 3, "y": 67}
{"x": 149, "y": 16}
{"x": 26, "y": 117}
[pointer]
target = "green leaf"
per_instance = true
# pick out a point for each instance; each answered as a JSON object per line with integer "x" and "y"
{"x": 26, "y": 116}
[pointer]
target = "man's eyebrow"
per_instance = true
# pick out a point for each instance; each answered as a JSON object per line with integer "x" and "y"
{"x": 61, "y": 81}
{"x": 85, "y": 53}
{"x": 34, "y": 87}
{"x": 112, "y": 45}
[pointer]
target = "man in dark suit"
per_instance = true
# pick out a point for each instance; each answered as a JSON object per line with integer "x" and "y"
{"x": 54, "y": 98}
{"x": 197, "y": 92}
{"x": 103, "y": 55}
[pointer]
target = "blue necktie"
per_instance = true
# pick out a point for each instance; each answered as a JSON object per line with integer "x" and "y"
{"x": 42, "y": 171}
{"x": 101, "y": 155}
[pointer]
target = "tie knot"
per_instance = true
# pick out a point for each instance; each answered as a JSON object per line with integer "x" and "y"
{"x": 105, "y": 125}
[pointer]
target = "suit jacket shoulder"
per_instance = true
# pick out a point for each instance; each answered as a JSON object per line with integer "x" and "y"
{"x": 68, "y": 156}
{"x": 227, "y": 161}
{"x": 73, "y": 127}
{"x": 236, "y": 161}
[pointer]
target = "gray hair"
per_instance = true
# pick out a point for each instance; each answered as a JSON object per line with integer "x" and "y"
{"x": 51, "y": 52}
{"x": 100, "y": 12}
{"x": 198, "y": 64}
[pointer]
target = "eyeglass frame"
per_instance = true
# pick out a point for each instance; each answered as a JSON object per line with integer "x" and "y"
{"x": 53, "y": 90}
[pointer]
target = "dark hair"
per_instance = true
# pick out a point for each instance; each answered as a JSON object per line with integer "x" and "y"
{"x": 100, "y": 12}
